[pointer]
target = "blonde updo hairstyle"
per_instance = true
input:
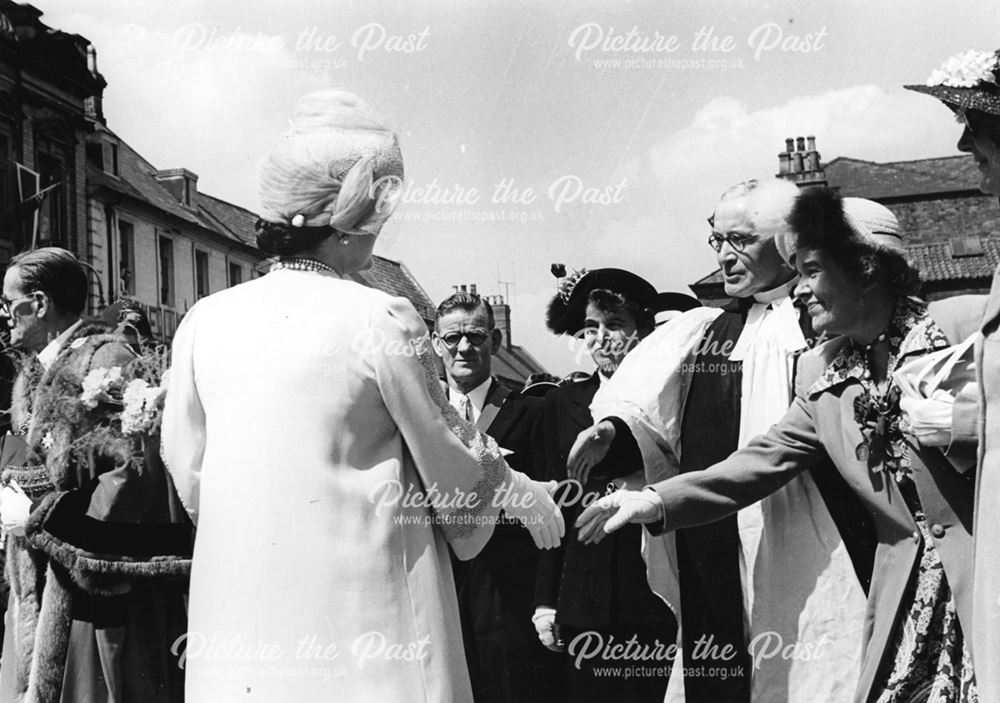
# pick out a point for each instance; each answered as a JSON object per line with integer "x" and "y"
{"x": 338, "y": 170}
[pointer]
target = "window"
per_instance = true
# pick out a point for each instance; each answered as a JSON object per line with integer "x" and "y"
{"x": 111, "y": 162}
{"x": 166, "y": 247}
{"x": 126, "y": 258}
{"x": 235, "y": 274}
{"x": 9, "y": 229}
{"x": 966, "y": 246}
{"x": 200, "y": 274}
{"x": 52, "y": 214}
{"x": 187, "y": 191}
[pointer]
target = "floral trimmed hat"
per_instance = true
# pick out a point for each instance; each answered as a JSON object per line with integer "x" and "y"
{"x": 966, "y": 81}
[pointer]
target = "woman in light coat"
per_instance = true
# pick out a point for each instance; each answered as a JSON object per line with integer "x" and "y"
{"x": 967, "y": 84}
{"x": 312, "y": 444}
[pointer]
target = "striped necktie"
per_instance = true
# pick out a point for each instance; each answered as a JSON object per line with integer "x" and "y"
{"x": 465, "y": 408}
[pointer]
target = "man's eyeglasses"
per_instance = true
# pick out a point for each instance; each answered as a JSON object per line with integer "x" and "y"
{"x": 737, "y": 241}
{"x": 5, "y": 304}
{"x": 452, "y": 339}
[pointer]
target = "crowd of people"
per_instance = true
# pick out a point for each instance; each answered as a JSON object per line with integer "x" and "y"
{"x": 785, "y": 499}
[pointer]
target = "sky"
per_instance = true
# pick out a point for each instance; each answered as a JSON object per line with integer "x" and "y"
{"x": 593, "y": 134}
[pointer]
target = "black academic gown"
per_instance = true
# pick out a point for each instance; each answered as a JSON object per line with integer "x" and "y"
{"x": 507, "y": 663}
{"x": 598, "y": 588}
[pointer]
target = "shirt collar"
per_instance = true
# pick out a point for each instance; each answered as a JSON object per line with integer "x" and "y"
{"x": 911, "y": 331}
{"x": 775, "y": 294}
{"x": 48, "y": 355}
{"x": 477, "y": 396}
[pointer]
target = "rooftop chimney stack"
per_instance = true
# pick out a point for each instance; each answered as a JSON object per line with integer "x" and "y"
{"x": 783, "y": 163}
{"x": 181, "y": 183}
{"x": 801, "y": 163}
{"x": 501, "y": 318}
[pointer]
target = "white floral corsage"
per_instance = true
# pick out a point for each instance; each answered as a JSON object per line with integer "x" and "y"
{"x": 966, "y": 70}
{"x": 98, "y": 384}
{"x": 142, "y": 406}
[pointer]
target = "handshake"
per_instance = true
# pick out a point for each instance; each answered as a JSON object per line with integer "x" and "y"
{"x": 531, "y": 503}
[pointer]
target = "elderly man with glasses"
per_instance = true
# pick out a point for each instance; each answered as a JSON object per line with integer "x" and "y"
{"x": 693, "y": 392}
{"x": 506, "y": 662}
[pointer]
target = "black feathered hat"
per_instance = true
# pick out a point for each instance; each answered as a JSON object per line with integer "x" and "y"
{"x": 567, "y": 310}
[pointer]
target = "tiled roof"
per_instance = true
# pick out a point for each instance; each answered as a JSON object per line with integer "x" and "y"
{"x": 394, "y": 278}
{"x": 714, "y": 277}
{"x": 515, "y": 364}
{"x": 238, "y": 222}
{"x": 936, "y": 263}
{"x": 900, "y": 179}
{"x": 137, "y": 180}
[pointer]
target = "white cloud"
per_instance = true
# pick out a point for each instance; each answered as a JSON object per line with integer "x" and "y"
{"x": 681, "y": 176}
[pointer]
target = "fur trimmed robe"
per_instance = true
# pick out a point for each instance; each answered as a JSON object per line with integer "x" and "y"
{"x": 99, "y": 579}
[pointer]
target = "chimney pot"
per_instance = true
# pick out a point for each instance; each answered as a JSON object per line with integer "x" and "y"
{"x": 463, "y": 288}
{"x": 472, "y": 287}
{"x": 789, "y": 144}
{"x": 782, "y": 163}
{"x": 800, "y": 143}
{"x": 812, "y": 142}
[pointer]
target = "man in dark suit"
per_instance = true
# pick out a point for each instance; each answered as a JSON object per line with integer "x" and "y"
{"x": 587, "y": 595}
{"x": 506, "y": 662}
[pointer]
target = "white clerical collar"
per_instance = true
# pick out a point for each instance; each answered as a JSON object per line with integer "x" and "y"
{"x": 47, "y": 355}
{"x": 772, "y": 325}
{"x": 477, "y": 396}
{"x": 776, "y": 294}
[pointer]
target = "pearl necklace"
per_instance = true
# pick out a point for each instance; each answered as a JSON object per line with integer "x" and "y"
{"x": 301, "y": 264}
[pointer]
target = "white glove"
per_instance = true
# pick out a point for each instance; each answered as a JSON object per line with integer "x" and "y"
{"x": 531, "y": 502}
{"x": 15, "y": 507}
{"x": 545, "y": 620}
{"x": 930, "y": 419}
{"x": 615, "y": 511}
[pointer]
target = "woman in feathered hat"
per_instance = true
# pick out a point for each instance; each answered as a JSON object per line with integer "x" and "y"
{"x": 588, "y": 595}
{"x": 968, "y": 85}
{"x": 313, "y": 446}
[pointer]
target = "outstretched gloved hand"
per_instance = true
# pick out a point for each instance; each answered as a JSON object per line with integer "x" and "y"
{"x": 531, "y": 502}
{"x": 612, "y": 512}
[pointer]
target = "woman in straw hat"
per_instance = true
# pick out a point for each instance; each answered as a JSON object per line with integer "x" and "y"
{"x": 311, "y": 443}
{"x": 967, "y": 83}
{"x": 856, "y": 284}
